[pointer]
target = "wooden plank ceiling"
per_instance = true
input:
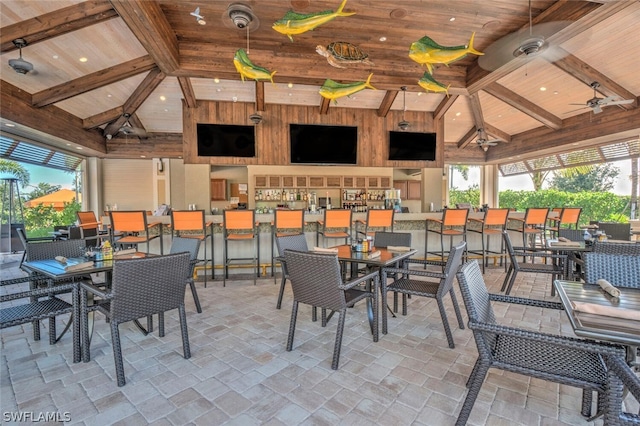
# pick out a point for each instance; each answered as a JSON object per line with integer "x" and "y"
{"x": 104, "y": 64}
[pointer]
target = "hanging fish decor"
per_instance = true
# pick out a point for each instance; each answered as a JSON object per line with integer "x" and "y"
{"x": 428, "y": 83}
{"x": 333, "y": 90}
{"x": 340, "y": 53}
{"x": 428, "y": 52}
{"x": 248, "y": 69}
{"x": 294, "y": 23}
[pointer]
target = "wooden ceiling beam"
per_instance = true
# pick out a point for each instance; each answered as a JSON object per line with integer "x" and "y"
{"x": 149, "y": 24}
{"x": 187, "y": 91}
{"x": 259, "y": 95}
{"x": 587, "y": 74}
{"x": 478, "y": 117}
{"x": 102, "y": 118}
{"x": 467, "y": 138}
{"x": 92, "y": 81}
{"x": 387, "y": 101}
{"x": 444, "y": 106}
{"x": 134, "y": 120}
{"x": 497, "y": 133}
{"x": 160, "y": 145}
{"x": 324, "y": 105}
{"x": 56, "y": 23}
{"x": 519, "y": 102}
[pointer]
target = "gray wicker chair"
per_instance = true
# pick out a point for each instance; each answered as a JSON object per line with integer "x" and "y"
{"x": 559, "y": 359}
{"x": 571, "y": 234}
{"x": 386, "y": 239}
{"x": 632, "y": 249}
{"x": 289, "y": 242}
{"x": 557, "y": 268}
{"x": 615, "y": 230}
{"x": 621, "y": 379}
{"x": 191, "y": 246}
{"x": 619, "y": 270}
{"x": 316, "y": 280}
{"x": 140, "y": 287}
{"x": 436, "y": 289}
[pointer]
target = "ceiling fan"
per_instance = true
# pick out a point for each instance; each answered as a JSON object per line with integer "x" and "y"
{"x": 524, "y": 44}
{"x": 128, "y": 130}
{"x": 485, "y": 143}
{"x": 597, "y": 103}
{"x": 20, "y": 65}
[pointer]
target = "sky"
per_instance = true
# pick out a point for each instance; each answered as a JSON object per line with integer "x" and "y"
{"x": 44, "y": 174}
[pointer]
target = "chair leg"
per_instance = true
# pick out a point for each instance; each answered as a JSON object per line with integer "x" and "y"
{"x": 511, "y": 281}
{"x": 587, "y": 399}
{"x": 292, "y": 325}
{"x": 336, "y": 348}
{"x": 196, "y": 299}
{"x": 52, "y": 330}
{"x": 506, "y": 278}
{"x": 445, "y": 323}
{"x": 480, "y": 370}
{"x": 186, "y": 349}
{"x": 117, "y": 353}
{"x": 484, "y": 251}
{"x": 404, "y": 304}
{"x": 281, "y": 292}
{"x": 456, "y": 309}
{"x": 160, "y": 324}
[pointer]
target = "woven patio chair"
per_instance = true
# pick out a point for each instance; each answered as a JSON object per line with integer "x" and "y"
{"x": 632, "y": 249}
{"x": 140, "y": 288}
{"x": 565, "y": 360}
{"x": 191, "y": 246}
{"x": 622, "y": 379}
{"x": 296, "y": 242}
{"x": 316, "y": 280}
{"x": 557, "y": 268}
{"x": 615, "y": 230}
{"x": 440, "y": 285}
{"x": 619, "y": 270}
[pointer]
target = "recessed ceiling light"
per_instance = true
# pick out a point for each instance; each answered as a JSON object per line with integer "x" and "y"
{"x": 458, "y": 114}
{"x": 163, "y": 98}
{"x": 234, "y": 99}
{"x": 109, "y": 95}
{"x": 166, "y": 110}
{"x": 83, "y": 59}
{"x": 453, "y": 119}
{"x": 9, "y": 124}
{"x": 218, "y": 90}
{"x": 543, "y": 89}
{"x": 290, "y": 94}
{"x": 55, "y": 56}
{"x": 383, "y": 39}
{"x": 290, "y": 85}
{"x": 453, "y": 18}
{"x": 78, "y": 147}
{"x": 216, "y": 80}
{"x": 576, "y": 143}
{"x": 68, "y": 144}
{"x": 143, "y": 156}
{"x": 419, "y": 93}
{"x": 555, "y": 92}
{"x": 499, "y": 115}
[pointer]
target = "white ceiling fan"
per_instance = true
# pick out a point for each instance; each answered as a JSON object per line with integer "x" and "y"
{"x": 597, "y": 103}
{"x": 485, "y": 143}
{"x": 19, "y": 65}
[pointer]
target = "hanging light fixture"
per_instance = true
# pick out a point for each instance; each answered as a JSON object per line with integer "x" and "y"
{"x": 404, "y": 124}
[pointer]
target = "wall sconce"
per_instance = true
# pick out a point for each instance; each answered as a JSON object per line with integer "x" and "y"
{"x": 160, "y": 165}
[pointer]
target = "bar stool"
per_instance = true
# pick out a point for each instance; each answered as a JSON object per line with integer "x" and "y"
{"x": 336, "y": 224}
{"x": 90, "y": 228}
{"x": 133, "y": 227}
{"x": 192, "y": 224}
{"x": 240, "y": 225}
{"x": 452, "y": 224}
{"x": 532, "y": 225}
{"x": 493, "y": 223}
{"x": 381, "y": 220}
{"x": 285, "y": 223}
{"x": 567, "y": 216}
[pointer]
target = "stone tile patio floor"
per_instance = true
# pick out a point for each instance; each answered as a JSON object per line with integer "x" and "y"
{"x": 240, "y": 374}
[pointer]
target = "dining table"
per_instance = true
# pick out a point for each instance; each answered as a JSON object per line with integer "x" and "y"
{"x": 73, "y": 269}
{"x": 573, "y": 250}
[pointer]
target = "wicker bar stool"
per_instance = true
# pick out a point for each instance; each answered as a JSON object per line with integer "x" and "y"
{"x": 568, "y": 218}
{"x": 336, "y": 224}
{"x": 377, "y": 220}
{"x": 532, "y": 225}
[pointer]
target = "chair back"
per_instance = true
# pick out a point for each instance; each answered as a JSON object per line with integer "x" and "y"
{"x": 617, "y": 231}
{"x": 496, "y": 217}
{"x": 477, "y": 303}
{"x": 616, "y": 248}
{"x": 189, "y": 245}
{"x": 128, "y": 221}
{"x": 289, "y": 219}
{"x": 619, "y": 270}
{"x": 386, "y": 239}
{"x": 239, "y": 220}
{"x": 570, "y": 216}
{"x": 315, "y": 279}
{"x": 187, "y": 220}
{"x": 87, "y": 220}
{"x": 454, "y": 260}
{"x": 536, "y": 216}
{"x": 379, "y": 218}
{"x": 455, "y": 217}
{"x": 50, "y": 249}
{"x": 291, "y": 242}
{"x": 337, "y": 218}
{"x": 147, "y": 286}
{"x": 571, "y": 234}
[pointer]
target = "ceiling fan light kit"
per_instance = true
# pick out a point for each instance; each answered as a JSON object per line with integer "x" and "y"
{"x": 20, "y": 65}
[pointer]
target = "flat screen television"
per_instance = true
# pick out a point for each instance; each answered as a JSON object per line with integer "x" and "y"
{"x": 226, "y": 140}
{"x": 411, "y": 146}
{"x": 318, "y": 144}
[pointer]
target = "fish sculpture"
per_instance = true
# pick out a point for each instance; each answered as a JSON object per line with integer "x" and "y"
{"x": 428, "y": 83}
{"x": 333, "y": 90}
{"x": 248, "y": 69}
{"x": 428, "y": 52}
{"x": 294, "y": 23}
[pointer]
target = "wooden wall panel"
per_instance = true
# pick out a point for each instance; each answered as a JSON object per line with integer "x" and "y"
{"x": 272, "y": 135}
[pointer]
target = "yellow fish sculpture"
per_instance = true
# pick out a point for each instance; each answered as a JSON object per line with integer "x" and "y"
{"x": 247, "y": 69}
{"x": 428, "y": 52}
{"x": 298, "y": 23}
{"x": 428, "y": 83}
{"x": 333, "y": 90}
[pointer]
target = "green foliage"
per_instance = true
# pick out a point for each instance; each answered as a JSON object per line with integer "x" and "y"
{"x": 10, "y": 168}
{"x": 40, "y": 220}
{"x": 471, "y": 195}
{"x": 42, "y": 189}
{"x": 601, "y": 206}
{"x": 596, "y": 178}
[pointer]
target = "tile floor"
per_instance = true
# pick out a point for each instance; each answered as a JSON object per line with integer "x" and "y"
{"x": 240, "y": 373}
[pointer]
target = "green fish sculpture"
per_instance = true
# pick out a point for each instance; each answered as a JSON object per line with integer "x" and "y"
{"x": 298, "y": 23}
{"x": 428, "y": 52}
{"x": 430, "y": 84}
{"x": 247, "y": 69}
{"x": 333, "y": 90}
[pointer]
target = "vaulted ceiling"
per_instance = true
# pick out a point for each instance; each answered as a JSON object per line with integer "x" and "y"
{"x": 102, "y": 64}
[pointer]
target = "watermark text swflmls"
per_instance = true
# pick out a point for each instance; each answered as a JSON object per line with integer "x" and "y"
{"x": 32, "y": 416}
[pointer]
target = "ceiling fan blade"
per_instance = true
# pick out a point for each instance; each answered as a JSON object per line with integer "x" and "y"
{"x": 585, "y": 106}
{"x": 506, "y": 48}
{"x": 574, "y": 110}
{"x": 597, "y": 109}
{"x": 621, "y": 102}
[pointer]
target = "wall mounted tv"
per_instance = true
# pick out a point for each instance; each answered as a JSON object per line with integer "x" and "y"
{"x": 317, "y": 144}
{"x": 411, "y": 146}
{"x": 226, "y": 140}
